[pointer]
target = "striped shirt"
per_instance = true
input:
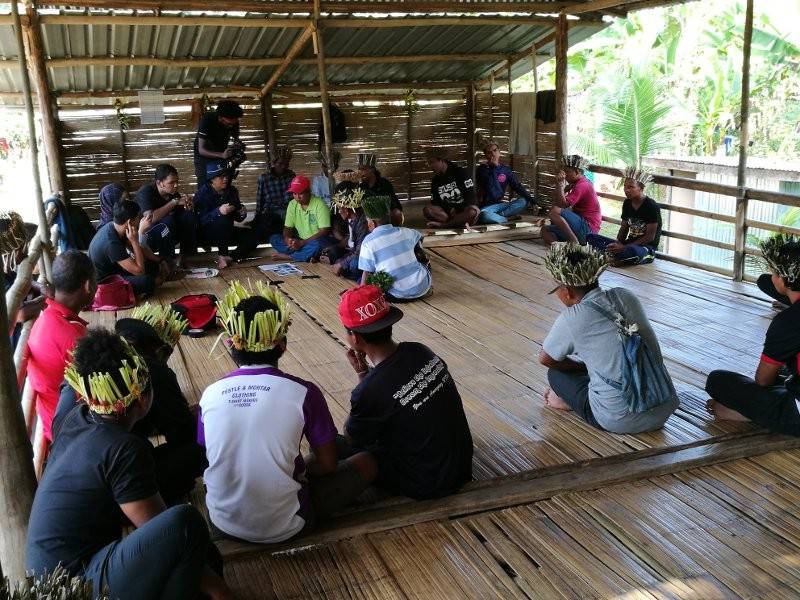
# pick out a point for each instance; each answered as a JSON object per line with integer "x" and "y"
{"x": 391, "y": 249}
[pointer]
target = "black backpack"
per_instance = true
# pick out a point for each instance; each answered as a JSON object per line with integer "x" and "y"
{"x": 338, "y": 127}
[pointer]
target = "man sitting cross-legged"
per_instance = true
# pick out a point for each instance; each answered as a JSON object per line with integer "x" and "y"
{"x": 99, "y": 475}
{"x": 115, "y": 250}
{"x": 395, "y": 251}
{"x": 493, "y": 179}
{"x": 218, "y": 207}
{"x": 57, "y": 329}
{"x": 594, "y": 364}
{"x": 347, "y": 200}
{"x": 640, "y": 231}
{"x": 153, "y": 331}
{"x": 406, "y": 410}
{"x": 306, "y": 228}
{"x": 771, "y": 399}
{"x": 576, "y": 212}
{"x": 259, "y": 486}
{"x": 168, "y": 217}
{"x": 453, "y": 201}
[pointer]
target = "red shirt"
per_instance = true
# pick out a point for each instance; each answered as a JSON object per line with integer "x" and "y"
{"x": 583, "y": 200}
{"x": 52, "y": 338}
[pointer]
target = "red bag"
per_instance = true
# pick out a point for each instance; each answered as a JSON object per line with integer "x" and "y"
{"x": 114, "y": 293}
{"x": 200, "y": 310}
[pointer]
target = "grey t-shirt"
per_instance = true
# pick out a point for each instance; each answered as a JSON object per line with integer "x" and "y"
{"x": 583, "y": 332}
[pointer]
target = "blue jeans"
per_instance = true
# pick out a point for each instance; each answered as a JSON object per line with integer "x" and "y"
{"x": 632, "y": 253}
{"x": 164, "y": 558}
{"x": 499, "y": 213}
{"x": 310, "y": 251}
{"x": 576, "y": 223}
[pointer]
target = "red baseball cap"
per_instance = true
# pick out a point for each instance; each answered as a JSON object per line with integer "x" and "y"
{"x": 299, "y": 184}
{"x": 364, "y": 309}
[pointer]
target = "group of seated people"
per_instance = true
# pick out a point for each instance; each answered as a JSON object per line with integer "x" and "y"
{"x": 108, "y": 392}
{"x": 101, "y": 396}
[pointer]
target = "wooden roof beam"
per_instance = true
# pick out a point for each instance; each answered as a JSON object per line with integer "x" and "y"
{"x": 297, "y": 47}
{"x": 178, "y": 63}
{"x": 297, "y": 6}
{"x": 327, "y": 21}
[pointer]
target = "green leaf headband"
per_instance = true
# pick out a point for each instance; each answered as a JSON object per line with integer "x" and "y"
{"x": 168, "y": 324}
{"x": 100, "y": 390}
{"x": 376, "y": 207}
{"x": 782, "y": 255}
{"x": 574, "y": 265}
{"x": 267, "y": 328}
{"x": 348, "y": 199}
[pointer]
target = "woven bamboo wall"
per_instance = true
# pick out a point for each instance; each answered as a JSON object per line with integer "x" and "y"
{"x": 93, "y": 151}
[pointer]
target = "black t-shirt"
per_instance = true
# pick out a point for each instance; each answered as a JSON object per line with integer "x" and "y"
{"x": 106, "y": 250}
{"x": 169, "y": 415}
{"x": 148, "y": 197}
{"x": 94, "y": 466}
{"x": 453, "y": 189}
{"x": 215, "y": 134}
{"x": 383, "y": 187}
{"x": 782, "y": 342}
{"x": 638, "y": 219}
{"x": 408, "y": 412}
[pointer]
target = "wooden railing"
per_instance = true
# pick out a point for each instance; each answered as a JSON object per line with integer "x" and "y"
{"x": 711, "y": 188}
{"x": 14, "y": 299}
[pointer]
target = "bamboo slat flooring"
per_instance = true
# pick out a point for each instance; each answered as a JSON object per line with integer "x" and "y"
{"x": 728, "y": 531}
{"x": 487, "y": 318}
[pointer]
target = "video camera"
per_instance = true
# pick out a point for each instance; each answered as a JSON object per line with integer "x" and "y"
{"x": 237, "y": 158}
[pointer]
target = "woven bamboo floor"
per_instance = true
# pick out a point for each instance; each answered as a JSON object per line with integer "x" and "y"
{"x": 729, "y": 531}
{"x": 558, "y": 509}
{"x": 487, "y": 318}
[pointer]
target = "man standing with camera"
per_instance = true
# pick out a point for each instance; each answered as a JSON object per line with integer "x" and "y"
{"x": 213, "y": 141}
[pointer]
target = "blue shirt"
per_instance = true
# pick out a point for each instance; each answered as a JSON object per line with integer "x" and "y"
{"x": 494, "y": 180}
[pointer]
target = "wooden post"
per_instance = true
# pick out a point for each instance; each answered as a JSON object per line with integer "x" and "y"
{"x": 740, "y": 238}
{"x": 323, "y": 93}
{"x": 17, "y": 478}
{"x": 47, "y": 108}
{"x": 268, "y": 120}
{"x": 470, "y": 115}
{"x": 409, "y": 150}
{"x": 491, "y": 106}
{"x": 44, "y": 230}
{"x": 510, "y": 114}
{"x": 562, "y": 31}
{"x": 535, "y": 125}
{"x": 124, "y": 156}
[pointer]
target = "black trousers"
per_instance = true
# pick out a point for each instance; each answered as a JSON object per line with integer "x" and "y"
{"x": 765, "y": 284}
{"x": 144, "y": 284}
{"x": 178, "y": 227}
{"x": 773, "y": 407}
{"x": 223, "y": 234}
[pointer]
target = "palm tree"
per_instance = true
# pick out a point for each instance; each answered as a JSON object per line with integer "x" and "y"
{"x": 634, "y": 119}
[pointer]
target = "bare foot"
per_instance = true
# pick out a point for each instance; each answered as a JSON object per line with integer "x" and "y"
{"x": 325, "y": 259}
{"x": 434, "y": 224}
{"x": 223, "y": 262}
{"x": 279, "y": 256}
{"x": 552, "y": 400}
{"x": 723, "y": 413}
